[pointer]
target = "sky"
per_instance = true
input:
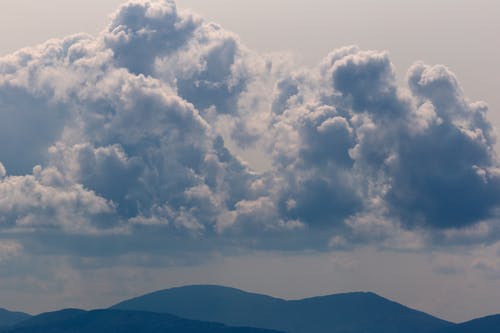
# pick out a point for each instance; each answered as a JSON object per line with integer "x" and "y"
{"x": 289, "y": 148}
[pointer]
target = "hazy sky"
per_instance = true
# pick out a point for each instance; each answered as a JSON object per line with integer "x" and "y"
{"x": 109, "y": 200}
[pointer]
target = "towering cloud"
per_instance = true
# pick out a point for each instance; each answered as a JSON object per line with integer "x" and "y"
{"x": 123, "y": 135}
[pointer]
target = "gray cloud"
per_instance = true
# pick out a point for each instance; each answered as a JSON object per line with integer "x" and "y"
{"x": 140, "y": 32}
{"x": 124, "y": 137}
{"x": 383, "y": 157}
{"x": 457, "y": 185}
{"x": 44, "y": 201}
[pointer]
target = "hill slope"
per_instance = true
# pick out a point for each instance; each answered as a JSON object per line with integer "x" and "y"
{"x": 343, "y": 313}
{"x": 490, "y": 324}
{"x": 8, "y": 318}
{"x": 110, "y": 321}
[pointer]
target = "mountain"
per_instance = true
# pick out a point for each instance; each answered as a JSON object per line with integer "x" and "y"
{"x": 8, "y": 318}
{"x": 117, "y": 321}
{"x": 490, "y": 324}
{"x": 342, "y": 313}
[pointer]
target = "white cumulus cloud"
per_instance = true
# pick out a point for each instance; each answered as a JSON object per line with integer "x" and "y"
{"x": 126, "y": 134}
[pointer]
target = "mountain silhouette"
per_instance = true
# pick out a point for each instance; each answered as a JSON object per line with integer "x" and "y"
{"x": 358, "y": 312}
{"x": 490, "y": 324}
{"x": 117, "y": 321}
{"x": 9, "y": 318}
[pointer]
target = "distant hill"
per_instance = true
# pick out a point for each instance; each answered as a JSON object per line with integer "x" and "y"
{"x": 117, "y": 321}
{"x": 342, "y": 313}
{"x": 490, "y": 324}
{"x": 8, "y": 318}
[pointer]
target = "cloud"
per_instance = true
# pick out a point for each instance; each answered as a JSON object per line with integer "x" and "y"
{"x": 124, "y": 137}
{"x": 9, "y": 249}
{"x": 3, "y": 172}
{"x": 45, "y": 200}
{"x": 142, "y": 31}
{"x": 410, "y": 160}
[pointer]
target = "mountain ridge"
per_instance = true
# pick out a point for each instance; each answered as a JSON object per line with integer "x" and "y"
{"x": 220, "y": 309}
{"x": 487, "y": 324}
{"x": 343, "y": 313}
{"x": 8, "y": 318}
{"x": 119, "y": 321}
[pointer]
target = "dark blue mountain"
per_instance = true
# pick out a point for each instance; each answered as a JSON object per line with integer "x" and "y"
{"x": 8, "y": 318}
{"x": 117, "y": 321}
{"x": 490, "y": 324}
{"x": 342, "y": 313}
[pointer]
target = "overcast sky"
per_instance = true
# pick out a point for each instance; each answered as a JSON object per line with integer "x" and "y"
{"x": 340, "y": 176}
